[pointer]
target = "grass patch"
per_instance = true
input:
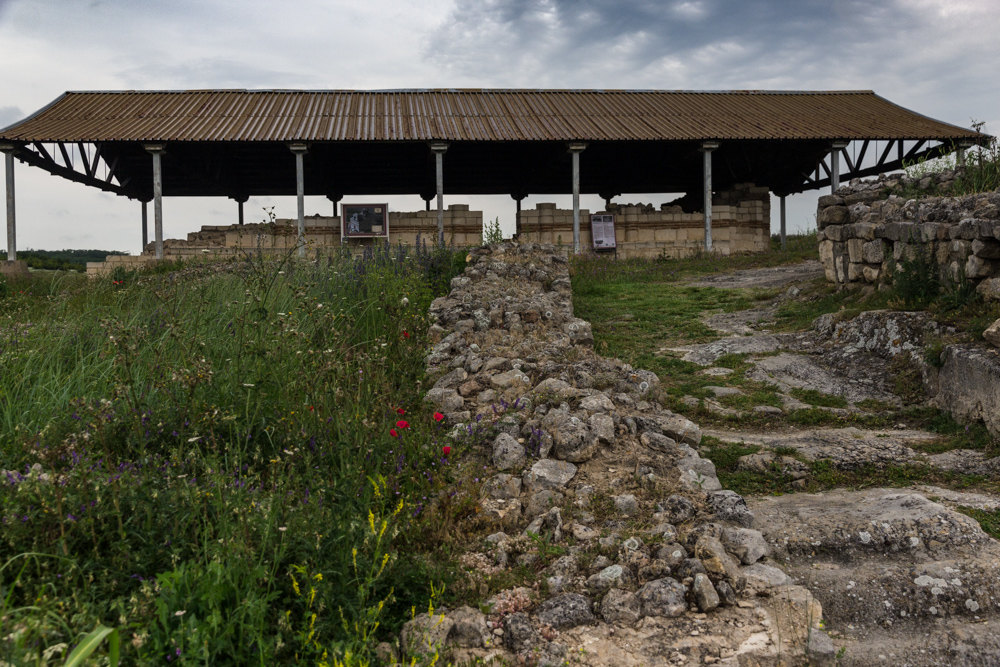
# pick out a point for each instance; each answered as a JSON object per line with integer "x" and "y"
{"x": 818, "y": 398}
{"x": 229, "y": 490}
{"x": 988, "y": 521}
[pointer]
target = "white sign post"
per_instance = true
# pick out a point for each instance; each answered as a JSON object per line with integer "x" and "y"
{"x": 602, "y": 231}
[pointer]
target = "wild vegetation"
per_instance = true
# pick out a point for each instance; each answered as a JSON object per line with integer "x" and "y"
{"x": 639, "y": 309}
{"x": 228, "y": 464}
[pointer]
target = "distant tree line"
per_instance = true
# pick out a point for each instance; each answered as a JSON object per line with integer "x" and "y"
{"x": 61, "y": 260}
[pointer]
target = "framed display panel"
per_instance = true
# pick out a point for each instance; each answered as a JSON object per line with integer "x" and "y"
{"x": 602, "y": 231}
{"x": 364, "y": 221}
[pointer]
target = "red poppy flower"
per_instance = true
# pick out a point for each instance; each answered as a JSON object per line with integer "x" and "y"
{"x": 402, "y": 424}
{"x": 406, "y": 335}
{"x": 400, "y": 411}
{"x": 438, "y": 416}
{"x": 311, "y": 408}
{"x": 446, "y": 449}
{"x": 393, "y": 433}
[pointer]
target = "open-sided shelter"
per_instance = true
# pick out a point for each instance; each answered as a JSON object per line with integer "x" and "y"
{"x": 238, "y": 143}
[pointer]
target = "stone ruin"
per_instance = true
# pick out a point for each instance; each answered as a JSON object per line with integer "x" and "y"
{"x": 865, "y": 231}
{"x": 568, "y": 429}
{"x": 656, "y": 563}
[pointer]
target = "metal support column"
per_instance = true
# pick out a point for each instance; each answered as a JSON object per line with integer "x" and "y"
{"x": 706, "y": 149}
{"x": 8, "y": 152}
{"x": 157, "y": 151}
{"x": 783, "y": 240}
{"x": 575, "y": 148}
{"x": 145, "y": 225}
{"x": 837, "y": 146}
{"x": 239, "y": 203}
{"x": 300, "y": 193}
{"x": 439, "y": 148}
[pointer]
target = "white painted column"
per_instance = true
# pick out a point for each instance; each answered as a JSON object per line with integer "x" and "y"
{"x": 145, "y": 225}
{"x": 960, "y": 154}
{"x": 157, "y": 151}
{"x": 837, "y": 146}
{"x": 439, "y": 148}
{"x": 706, "y": 149}
{"x": 575, "y": 148}
{"x": 300, "y": 193}
{"x": 8, "y": 152}
{"x": 783, "y": 240}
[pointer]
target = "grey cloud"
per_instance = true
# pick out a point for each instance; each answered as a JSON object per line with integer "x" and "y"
{"x": 216, "y": 72}
{"x": 10, "y": 115}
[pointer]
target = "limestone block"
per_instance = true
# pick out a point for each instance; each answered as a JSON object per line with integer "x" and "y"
{"x": 992, "y": 334}
{"x": 855, "y": 250}
{"x": 855, "y": 272}
{"x": 989, "y": 289}
{"x": 977, "y": 267}
{"x": 959, "y": 249}
{"x": 833, "y": 215}
{"x": 646, "y": 236}
{"x": 873, "y": 252}
{"x": 986, "y": 249}
{"x": 871, "y": 272}
{"x": 838, "y": 232}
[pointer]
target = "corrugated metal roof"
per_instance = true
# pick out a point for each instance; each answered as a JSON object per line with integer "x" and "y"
{"x": 474, "y": 115}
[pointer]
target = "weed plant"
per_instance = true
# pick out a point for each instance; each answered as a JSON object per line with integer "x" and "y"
{"x": 227, "y": 463}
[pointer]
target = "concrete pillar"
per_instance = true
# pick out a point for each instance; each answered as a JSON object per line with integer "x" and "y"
{"x": 439, "y": 148}
{"x": 783, "y": 240}
{"x": 706, "y": 149}
{"x": 157, "y": 151}
{"x": 837, "y": 146}
{"x": 145, "y": 224}
{"x": 300, "y": 151}
{"x": 239, "y": 203}
{"x": 960, "y": 153}
{"x": 575, "y": 148}
{"x": 8, "y": 152}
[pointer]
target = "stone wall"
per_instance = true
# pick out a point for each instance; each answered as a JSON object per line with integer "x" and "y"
{"x": 551, "y": 430}
{"x": 740, "y": 223}
{"x": 866, "y": 230}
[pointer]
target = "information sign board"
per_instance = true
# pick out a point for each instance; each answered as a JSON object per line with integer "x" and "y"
{"x": 602, "y": 231}
{"x": 364, "y": 220}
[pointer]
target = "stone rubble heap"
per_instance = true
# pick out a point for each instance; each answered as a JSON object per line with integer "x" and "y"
{"x": 865, "y": 230}
{"x": 657, "y": 564}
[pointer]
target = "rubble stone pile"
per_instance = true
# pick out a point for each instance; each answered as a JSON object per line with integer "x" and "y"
{"x": 642, "y": 557}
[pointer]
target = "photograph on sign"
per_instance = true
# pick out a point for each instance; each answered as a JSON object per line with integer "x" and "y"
{"x": 602, "y": 231}
{"x": 364, "y": 220}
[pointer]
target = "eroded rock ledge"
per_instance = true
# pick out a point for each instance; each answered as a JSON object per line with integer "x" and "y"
{"x": 646, "y": 559}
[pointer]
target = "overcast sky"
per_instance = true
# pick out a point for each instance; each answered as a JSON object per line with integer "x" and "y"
{"x": 938, "y": 57}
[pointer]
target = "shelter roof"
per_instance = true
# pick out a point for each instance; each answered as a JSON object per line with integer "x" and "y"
{"x": 480, "y": 115}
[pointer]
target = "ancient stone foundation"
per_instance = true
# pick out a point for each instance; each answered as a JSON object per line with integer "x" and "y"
{"x": 740, "y": 223}
{"x": 674, "y": 574}
{"x": 866, "y": 232}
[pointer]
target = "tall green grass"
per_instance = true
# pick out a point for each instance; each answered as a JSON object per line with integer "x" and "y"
{"x": 208, "y": 453}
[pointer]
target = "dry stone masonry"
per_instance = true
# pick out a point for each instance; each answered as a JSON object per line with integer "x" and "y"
{"x": 866, "y": 231}
{"x": 653, "y": 562}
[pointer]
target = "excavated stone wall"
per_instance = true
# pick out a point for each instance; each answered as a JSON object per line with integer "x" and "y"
{"x": 577, "y": 450}
{"x": 865, "y": 230}
{"x": 740, "y": 223}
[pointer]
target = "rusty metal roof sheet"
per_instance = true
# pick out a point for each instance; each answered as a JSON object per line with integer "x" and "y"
{"x": 474, "y": 115}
